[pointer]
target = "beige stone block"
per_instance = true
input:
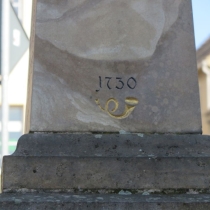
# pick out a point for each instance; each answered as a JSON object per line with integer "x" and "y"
{"x": 114, "y": 66}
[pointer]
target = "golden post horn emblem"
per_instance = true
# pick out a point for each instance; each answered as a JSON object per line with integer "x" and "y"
{"x": 130, "y": 105}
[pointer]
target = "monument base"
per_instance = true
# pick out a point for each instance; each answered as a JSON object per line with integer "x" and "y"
{"x": 110, "y": 162}
{"x": 47, "y": 201}
{"x": 107, "y": 171}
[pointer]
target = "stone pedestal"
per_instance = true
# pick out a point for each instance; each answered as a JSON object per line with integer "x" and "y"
{"x": 108, "y": 171}
{"x": 108, "y": 163}
{"x": 67, "y": 201}
{"x": 101, "y": 68}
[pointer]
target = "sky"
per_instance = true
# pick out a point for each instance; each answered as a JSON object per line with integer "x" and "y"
{"x": 201, "y": 13}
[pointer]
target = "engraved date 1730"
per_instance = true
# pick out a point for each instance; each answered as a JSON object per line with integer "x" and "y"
{"x": 120, "y": 83}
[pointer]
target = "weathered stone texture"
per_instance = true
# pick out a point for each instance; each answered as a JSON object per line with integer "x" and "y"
{"x": 101, "y": 202}
{"x": 108, "y": 162}
{"x": 146, "y": 47}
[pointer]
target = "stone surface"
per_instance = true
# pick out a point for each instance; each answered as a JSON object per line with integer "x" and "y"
{"x": 145, "y": 47}
{"x": 68, "y": 201}
{"x": 49, "y": 162}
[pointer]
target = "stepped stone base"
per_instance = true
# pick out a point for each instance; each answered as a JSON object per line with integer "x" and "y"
{"x": 108, "y": 162}
{"x": 108, "y": 171}
{"x": 52, "y": 201}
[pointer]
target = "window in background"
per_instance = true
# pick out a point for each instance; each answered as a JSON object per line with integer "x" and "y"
{"x": 15, "y": 126}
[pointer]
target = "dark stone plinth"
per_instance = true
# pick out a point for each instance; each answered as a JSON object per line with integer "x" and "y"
{"x": 48, "y": 201}
{"x": 71, "y": 162}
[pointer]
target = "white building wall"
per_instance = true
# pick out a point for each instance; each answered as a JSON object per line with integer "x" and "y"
{"x": 18, "y": 77}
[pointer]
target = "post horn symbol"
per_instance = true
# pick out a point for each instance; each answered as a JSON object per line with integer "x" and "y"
{"x": 129, "y": 107}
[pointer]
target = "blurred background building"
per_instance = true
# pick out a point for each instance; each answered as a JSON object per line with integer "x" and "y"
{"x": 203, "y": 63}
{"x": 20, "y": 24}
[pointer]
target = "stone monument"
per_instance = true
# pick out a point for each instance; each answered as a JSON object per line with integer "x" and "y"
{"x": 113, "y": 114}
